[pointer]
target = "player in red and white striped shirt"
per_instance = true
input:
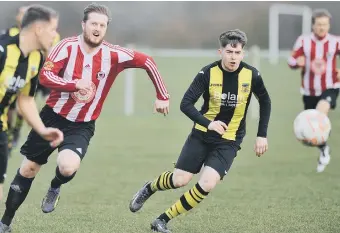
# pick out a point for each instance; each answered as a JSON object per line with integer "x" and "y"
{"x": 316, "y": 55}
{"x": 80, "y": 72}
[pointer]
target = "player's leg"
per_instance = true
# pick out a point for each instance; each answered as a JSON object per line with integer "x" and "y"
{"x": 216, "y": 167}
{"x": 36, "y": 150}
{"x": 10, "y": 119}
{"x": 17, "y": 127}
{"x": 72, "y": 150}
{"x": 327, "y": 101}
{"x": 189, "y": 162}
{"x": 3, "y": 160}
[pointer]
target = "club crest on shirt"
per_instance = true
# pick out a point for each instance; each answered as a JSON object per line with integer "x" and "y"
{"x": 101, "y": 75}
{"x": 85, "y": 96}
{"x": 49, "y": 65}
{"x": 245, "y": 87}
{"x": 33, "y": 71}
{"x": 318, "y": 66}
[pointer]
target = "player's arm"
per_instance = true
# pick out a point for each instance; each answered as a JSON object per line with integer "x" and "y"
{"x": 55, "y": 62}
{"x": 263, "y": 97}
{"x": 199, "y": 85}
{"x": 296, "y": 59}
{"x": 135, "y": 59}
{"x": 30, "y": 113}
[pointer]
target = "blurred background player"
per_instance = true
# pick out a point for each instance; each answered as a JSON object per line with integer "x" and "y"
{"x": 219, "y": 128}
{"x": 316, "y": 55}
{"x": 80, "y": 72}
{"x": 14, "y": 128}
{"x": 21, "y": 59}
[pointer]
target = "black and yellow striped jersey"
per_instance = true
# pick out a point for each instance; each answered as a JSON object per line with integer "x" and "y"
{"x": 226, "y": 98}
{"x": 18, "y": 74}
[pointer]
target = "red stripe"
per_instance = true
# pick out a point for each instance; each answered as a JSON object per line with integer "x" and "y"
{"x": 61, "y": 44}
{"x": 311, "y": 74}
{"x": 334, "y": 74}
{"x": 323, "y": 76}
{"x": 96, "y": 67}
{"x": 77, "y": 72}
{"x": 53, "y": 98}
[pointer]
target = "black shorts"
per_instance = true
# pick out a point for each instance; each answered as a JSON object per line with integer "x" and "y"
{"x": 77, "y": 136}
{"x": 310, "y": 102}
{"x": 43, "y": 90}
{"x": 196, "y": 153}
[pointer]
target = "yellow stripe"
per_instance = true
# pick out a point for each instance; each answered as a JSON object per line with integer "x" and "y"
{"x": 32, "y": 70}
{"x": 161, "y": 180}
{"x": 11, "y": 63}
{"x": 215, "y": 92}
{"x": 180, "y": 207}
{"x": 244, "y": 78}
{"x": 195, "y": 195}
{"x": 13, "y": 31}
{"x": 191, "y": 201}
{"x": 198, "y": 193}
{"x": 3, "y": 119}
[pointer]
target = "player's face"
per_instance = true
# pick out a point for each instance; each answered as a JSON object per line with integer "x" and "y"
{"x": 231, "y": 55}
{"x": 94, "y": 29}
{"x": 321, "y": 26}
{"x": 46, "y": 33}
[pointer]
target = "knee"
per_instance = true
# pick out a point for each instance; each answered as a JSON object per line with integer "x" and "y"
{"x": 29, "y": 169}
{"x": 208, "y": 184}
{"x": 181, "y": 179}
{"x": 67, "y": 170}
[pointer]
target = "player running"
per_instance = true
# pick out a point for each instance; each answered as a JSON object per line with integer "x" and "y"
{"x": 80, "y": 72}
{"x": 226, "y": 86}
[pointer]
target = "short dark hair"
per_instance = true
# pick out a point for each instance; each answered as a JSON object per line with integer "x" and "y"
{"x": 36, "y": 13}
{"x": 97, "y": 8}
{"x": 318, "y": 13}
{"x": 233, "y": 37}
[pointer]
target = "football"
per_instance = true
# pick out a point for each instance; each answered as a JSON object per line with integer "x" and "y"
{"x": 312, "y": 127}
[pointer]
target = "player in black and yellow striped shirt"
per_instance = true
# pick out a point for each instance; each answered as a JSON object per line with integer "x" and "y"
{"x": 14, "y": 127}
{"x": 20, "y": 63}
{"x": 226, "y": 86}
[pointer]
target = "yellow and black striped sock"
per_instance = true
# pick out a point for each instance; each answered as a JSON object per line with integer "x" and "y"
{"x": 163, "y": 182}
{"x": 189, "y": 200}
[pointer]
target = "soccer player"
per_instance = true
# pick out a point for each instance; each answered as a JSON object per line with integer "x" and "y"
{"x": 14, "y": 129}
{"x": 315, "y": 54}
{"x": 20, "y": 62}
{"x": 80, "y": 72}
{"x": 219, "y": 128}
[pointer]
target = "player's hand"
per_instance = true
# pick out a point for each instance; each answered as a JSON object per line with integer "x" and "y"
{"x": 53, "y": 135}
{"x": 218, "y": 126}
{"x": 261, "y": 146}
{"x": 83, "y": 85}
{"x": 162, "y": 106}
{"x": 301, "y": 61}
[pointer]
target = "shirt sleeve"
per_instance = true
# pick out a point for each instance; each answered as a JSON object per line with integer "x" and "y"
{"x": 133, "y": 59}
{"x": 262, "y": 96}
{"x": 199, "y": 85}
{"x": 297, "y": 52}
{"x": 31, "y": 87}
{"x": 55, "y": 62}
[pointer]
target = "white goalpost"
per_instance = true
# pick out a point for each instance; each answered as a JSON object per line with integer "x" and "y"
{"x": 288, "y": 9}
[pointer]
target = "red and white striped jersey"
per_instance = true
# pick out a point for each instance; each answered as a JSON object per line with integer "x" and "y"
{"x": 319, "y": 72}
{"x": 68, "y": 62}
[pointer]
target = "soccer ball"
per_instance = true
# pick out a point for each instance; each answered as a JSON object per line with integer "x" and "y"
{"x": 312, "y": 127}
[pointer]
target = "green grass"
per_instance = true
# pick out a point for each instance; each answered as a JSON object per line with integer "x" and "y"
{"x": 279, "y": 192}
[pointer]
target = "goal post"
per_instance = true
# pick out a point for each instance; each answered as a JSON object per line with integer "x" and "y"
{"x": 275, "y": 11}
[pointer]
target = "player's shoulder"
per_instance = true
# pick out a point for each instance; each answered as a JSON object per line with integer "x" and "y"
{"x": 207, "y": 68}
{"x": 253, "y": 69}
{"x": 6, "y": 40}
{"x": 67, "y": 41}
{"x": 117, "y": 48}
